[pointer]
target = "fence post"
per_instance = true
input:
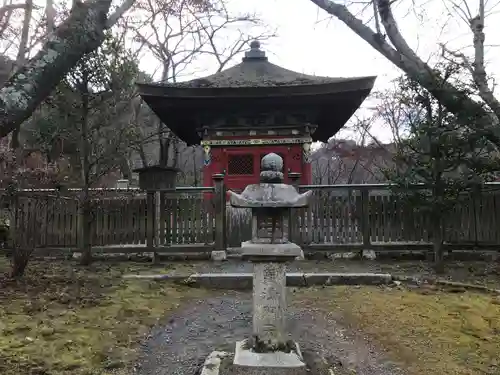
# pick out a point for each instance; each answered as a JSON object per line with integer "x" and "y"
{"x": 220, "y": 217}
{"x": 151, "y": 223}
{"x": 79, "y": 225}
{"x": 14, "y": 225}
{"x": 292, "y": 222}
{"x": 365, "y": 218}
{"x": 475, "y": 220}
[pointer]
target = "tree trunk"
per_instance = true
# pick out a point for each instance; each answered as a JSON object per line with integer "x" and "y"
{"x": 21, "y": 60}
{"x": 438, "y": 256}
{"x": 437, "y": 244}
{"x": 142, "y": 155}
{"x": 165, "y": 143}
{"x": 164, "y": 136}
{"x": 86, "y": 221}
{"x": 50, "y": 15}
{"x": 82, "y": 32}
{"x": 22, "y": 248}
{"x": 86, "y": 212}
{"x": 20, "y": 259}
{"x": 125, "y": 168}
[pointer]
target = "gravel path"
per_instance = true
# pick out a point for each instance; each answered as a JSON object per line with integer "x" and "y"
{"x": 180, "y": 347}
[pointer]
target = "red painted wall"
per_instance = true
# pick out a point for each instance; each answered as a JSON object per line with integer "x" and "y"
{"x": 292, "y": 163}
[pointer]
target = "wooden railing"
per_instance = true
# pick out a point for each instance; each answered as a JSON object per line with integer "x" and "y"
{"x": 370, "y": 216}
{"x": 198, "y": 219}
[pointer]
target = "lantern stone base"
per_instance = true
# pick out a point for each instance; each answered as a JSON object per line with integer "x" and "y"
{"x": 274, "y": 363}
{"x": 269, "y": 351}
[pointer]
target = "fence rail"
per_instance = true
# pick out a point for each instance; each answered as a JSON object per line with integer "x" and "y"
{"x": 198, "y": 219}
{"x": 373, "y": 215}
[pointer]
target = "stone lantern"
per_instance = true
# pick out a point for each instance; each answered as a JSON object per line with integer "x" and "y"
{"x": 156, "y": 177}
{"x": 270, "y": 201}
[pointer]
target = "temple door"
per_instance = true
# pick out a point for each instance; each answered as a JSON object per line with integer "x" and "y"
{"x": 242, "y": 168}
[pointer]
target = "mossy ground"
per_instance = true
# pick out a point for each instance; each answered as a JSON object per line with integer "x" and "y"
{"x": 65, "y": 319}
{"x": 429, "y": 332}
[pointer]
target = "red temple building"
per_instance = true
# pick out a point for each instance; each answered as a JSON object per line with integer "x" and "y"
{"x": 242, "y": 113}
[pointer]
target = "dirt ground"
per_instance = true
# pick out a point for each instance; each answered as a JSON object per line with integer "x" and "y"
{"x": 64, "y": 319}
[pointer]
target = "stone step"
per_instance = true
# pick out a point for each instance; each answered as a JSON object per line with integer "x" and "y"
{"x": 243, "y": 281}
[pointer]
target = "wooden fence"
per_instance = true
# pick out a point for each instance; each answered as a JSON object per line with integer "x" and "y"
{"x": 128, "y": 220}
{"x": 370, "y": 216}
{"x": 340, "y": 217}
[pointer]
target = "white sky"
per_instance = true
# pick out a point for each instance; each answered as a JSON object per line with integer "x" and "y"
{"x": 309, "y": 42}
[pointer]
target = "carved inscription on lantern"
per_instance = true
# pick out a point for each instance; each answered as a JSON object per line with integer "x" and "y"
{"x": 269, "y": 308}
{"x": 269, "y": 298}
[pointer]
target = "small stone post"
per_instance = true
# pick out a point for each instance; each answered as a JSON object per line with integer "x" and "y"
{"x": 150, "y": 221}
{"x": 365, "y": 220}
{"x": 292, "y": 228}
{"x": 219, "y": 253}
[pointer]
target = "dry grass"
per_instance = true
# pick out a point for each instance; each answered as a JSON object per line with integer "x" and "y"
{"x": 431, "y": 333}
{"x": 62, "y": 319}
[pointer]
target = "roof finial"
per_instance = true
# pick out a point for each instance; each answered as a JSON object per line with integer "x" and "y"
{"x": 271, "y": 167}
{"x": 255, "y": 44}
{"x": 255, "y": 52}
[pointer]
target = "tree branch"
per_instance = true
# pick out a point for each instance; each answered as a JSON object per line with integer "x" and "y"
{"x": 82, "y": 32}
{"x": 468, "y": 111}
{"x": 119, "y": 12}
{"x": 9, "y": 8}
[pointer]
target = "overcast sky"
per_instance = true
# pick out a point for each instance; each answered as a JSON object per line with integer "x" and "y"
{"x": 311, "y": 42}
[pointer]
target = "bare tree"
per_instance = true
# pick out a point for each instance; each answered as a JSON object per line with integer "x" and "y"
{"x": 21, "y": 57}
{"x": 98, "y": 92}
{"x": 18, "y": 228}
{"x": 50, "y": 16}
{"x": 182, "y": 36}
{"x": 9, "y": 13}
{"x": 350, "y": 161}
{"x": 447, "y": 159}
{"x": 386, "y": 38}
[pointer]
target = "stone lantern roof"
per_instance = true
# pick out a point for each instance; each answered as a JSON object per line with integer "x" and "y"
{"x": 270, "y": 192}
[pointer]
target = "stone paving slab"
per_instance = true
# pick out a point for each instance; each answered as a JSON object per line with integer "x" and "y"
{"x": 159, "y": 276}
{"x": 243, "y": 280}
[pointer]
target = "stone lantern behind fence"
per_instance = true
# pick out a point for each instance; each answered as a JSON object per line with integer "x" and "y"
{"x": 269, "y": 249}
{"x": 156, "y": 177}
